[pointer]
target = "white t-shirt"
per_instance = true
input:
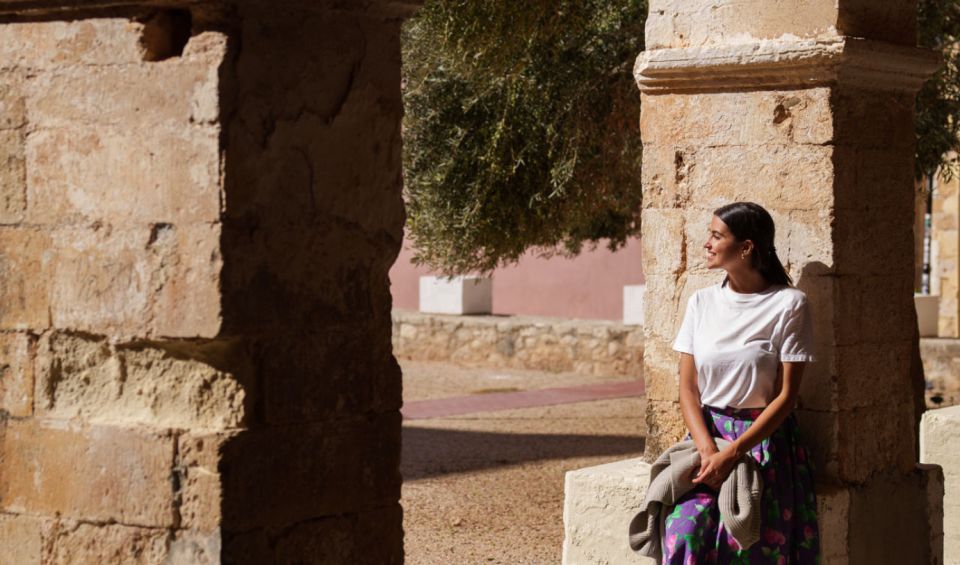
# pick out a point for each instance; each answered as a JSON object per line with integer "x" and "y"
{"x": 738, "y": 341}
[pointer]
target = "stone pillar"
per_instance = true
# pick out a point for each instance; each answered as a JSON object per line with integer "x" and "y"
{"x": 807, "y": 109}
{"x": 946, "y": 234}
{"x": 198, "y": 211}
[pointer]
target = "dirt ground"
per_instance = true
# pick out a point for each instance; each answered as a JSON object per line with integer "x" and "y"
{"x": 488, "y": 487}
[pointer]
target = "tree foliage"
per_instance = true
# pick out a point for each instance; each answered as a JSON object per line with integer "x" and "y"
{"x": 521, "y": 125}
{"x": 938, "y": 103}
{"x": 521, "y": 128}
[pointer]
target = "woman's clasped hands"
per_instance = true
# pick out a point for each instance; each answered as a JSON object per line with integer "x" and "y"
{"x": 715, "y": 467}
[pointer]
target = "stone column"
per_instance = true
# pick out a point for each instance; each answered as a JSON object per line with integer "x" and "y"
{"x": 946, "y": 234}
{"x": 198, "y": 211}
{"x": 807, "y": 109}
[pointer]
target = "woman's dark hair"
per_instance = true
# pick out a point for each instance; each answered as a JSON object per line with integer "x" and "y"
{"x": 748, "y": 220}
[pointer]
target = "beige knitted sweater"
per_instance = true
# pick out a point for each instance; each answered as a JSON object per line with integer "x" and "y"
{"x": 671, "y": 477}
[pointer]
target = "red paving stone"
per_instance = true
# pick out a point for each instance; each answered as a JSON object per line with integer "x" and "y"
{"x": 491, "y": 402}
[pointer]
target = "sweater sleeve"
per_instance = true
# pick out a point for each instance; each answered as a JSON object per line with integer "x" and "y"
{"x": 684, "y": 341}
{"x": 797, "y": 343}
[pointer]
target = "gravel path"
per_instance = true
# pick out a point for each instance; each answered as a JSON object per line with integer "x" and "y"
{"x": 488, "y": 487}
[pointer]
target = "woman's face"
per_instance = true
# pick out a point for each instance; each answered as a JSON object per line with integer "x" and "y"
{"x": 721, "y": 247}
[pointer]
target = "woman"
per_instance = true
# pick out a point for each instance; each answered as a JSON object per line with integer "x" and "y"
{"x": 744, "y": 344}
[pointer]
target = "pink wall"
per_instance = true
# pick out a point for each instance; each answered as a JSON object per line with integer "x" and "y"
{"x": 587, "y": 286}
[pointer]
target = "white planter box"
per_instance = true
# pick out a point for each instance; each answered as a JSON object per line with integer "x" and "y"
{"x": 633, "y": 304}
{"x": 928, "y": 313}
{"x": 457, "y": 295}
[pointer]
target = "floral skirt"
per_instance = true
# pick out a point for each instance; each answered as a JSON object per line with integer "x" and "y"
{"x": 693, "y": 532}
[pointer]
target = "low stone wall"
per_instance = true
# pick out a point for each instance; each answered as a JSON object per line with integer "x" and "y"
{"x": 589, "y": 347}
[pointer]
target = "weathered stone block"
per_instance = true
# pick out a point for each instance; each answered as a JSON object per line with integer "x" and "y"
{"x": 874, "y": 120}
{"x": 856, "y": 248}
{"x": 100, "y": 543}
{"x": 98, "y": 473}
{"x": 103, "y": 280}
{"x": 598, "y": 504}
{"x": 354, "y": 363}
{"x": 738, "y": 119}
{"x": 129, "y": 282}
{"x": 874, "y": 309}
{"x": 877, "y": 535}
{"x": 940, "y": 445}
{"x": 833, "y": 523}
{"x": 189, "y": 303}
{"x": 684, "y": 23}
{"x": 82, "y": 174}
{"x": 13, "y": 194}
{"x": 696, "y": 229}
{"x": 16, "y": 374}
{"x": 873, "y": 184}
{"x": 784, "y": 177}
{"x": 664, "y": 176}
{"x": 663, "y": 243}
{"x": 355, "y": 538}
{"x": 196, "y": 548}
{"x": 55, "y": 44}
{"x": 805, "y": 241}
{"x": 12, "y": 108}
{"x": 283, "y": 476}
{"x": 21, "y": 539}
{"x": 664, "y": 427}
{"x": 664, "y": 316}
{"x": 187, "y": 386}
{"x": 878, "y": 439}
{"x": 820, "y": 430}
{"x": 24, "y": 259}
{"x": 175, "y": 94}
{"x": 661, "y": 370}
{"x": 871, "y": 373}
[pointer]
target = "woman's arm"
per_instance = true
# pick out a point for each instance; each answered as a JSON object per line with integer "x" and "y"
{"x": 714, "y": 469}
{"x": 691, "y": 409}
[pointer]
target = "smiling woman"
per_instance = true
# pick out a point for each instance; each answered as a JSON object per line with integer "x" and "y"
{"x": 743, "y": 346}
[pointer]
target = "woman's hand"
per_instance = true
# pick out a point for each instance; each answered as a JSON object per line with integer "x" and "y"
{"x": 715, "y": 468}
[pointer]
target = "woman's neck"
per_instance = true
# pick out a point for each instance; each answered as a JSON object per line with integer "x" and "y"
{"x": 748, "y": 281}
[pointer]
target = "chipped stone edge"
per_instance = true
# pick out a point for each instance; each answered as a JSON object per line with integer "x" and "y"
{"x": 785, "y": 63}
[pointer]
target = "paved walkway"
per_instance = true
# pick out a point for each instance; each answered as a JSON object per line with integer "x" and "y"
{"x": 483, "y": 468}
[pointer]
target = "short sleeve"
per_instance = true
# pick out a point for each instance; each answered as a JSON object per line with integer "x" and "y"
{"x": 684, "y": 341}
{"x": 797, "y": 343}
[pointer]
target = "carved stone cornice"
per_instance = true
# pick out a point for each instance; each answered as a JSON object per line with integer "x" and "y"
{"x": 785, "y": 64}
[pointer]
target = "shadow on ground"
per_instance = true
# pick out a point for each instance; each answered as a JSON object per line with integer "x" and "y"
{"x": 430, "y": 452}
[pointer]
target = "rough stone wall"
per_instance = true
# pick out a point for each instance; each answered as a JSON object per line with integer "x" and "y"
{"x": 194, "y": 303}
{"x": 587, "y": 347}
{"x": 815, "y": 133}
{"x": 313, "y": 222}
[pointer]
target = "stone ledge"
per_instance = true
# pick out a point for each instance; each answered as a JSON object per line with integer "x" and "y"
{"x": 600, "y": 501}
{"x": 940, "y": 445}
{"x": 588, "y": 347}
{"x": 598, "y": 504}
